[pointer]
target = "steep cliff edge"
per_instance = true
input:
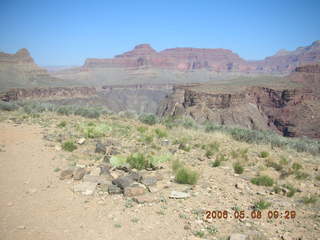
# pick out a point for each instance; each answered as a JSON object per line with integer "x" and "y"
{"x": 287, "y": 110}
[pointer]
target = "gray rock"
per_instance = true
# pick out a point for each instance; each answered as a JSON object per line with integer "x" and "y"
{"x": 86, "y": 188}
{"x": 135, "y": 176}
{"x": 149, "y": 181}
{"x": 179, "y": 195}
{"x": 104, "y": 169}
{"x": 123, "y": 182}
{"x": 113, "y": 189}
{"x": 79, "y": 173}
{"x": 96, "y": 179}
{"x": 66, "y": 174}
{"x": 100, "y": 148}
{"x": 238, "y": 236}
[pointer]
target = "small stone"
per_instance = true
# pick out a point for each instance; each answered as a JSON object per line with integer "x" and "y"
{"x": 78, "y": 173}
{"x": 149, "y": 181}
{"x": 10, "y": 204}
{"x": 32, "y": 190}
{"x": 58, "y": 148}
{"x": 113, "y": 189}
{"x": 21, "y": 227}
{"x": 100, "y": 148}
{"x": 66, "y": 174}
{"x": 144, "y": 199}
{"x": 81, "y": 141}
{"x": 133, "y": 191}
{"x": 238, "y": 236}
{"x": 95, "y": 171}
{"x": 240, "y": 185}
{"x": 286, "y": 236}
{"x": 179, "y": 195}
{"x": 86, "y": 188}
{"x": 165, "y": 142}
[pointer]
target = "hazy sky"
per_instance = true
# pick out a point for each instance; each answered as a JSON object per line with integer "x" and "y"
{"x": 67, "y": 32}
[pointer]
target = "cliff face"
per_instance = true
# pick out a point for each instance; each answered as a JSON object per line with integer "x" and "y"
{"x": 290, "y": 112}
{"x": 218, "y": 60}
{"x": 47, "y": 93}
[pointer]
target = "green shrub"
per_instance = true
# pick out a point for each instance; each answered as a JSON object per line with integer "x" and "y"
{"x": 186, "y": 175}
{"x": 142, "y": 129}
{"x": 147, "y": 139}
{"x": 209, "y": 153}
{"x": 69, "y": 146}
{"x": 296, "y": 166}
{"x": 238, "y": 168}
{"x": 8, "y": 106}
{"x": 149, "y": 119}
{"x": 274, "y": 165}
{"x": 264, "y": 154}
{"x": 215, "y": 163}
{"x": 139, "y": 161}
{"x": 212, "y": 230}
{"x": 283, "y": 160}
{"x": 93, "y": 130}
{"x": 261, "y": 205}
{"x": 189, "y": 123}
{"x": 117, "y": 161}
{"x": 62, "y": 124}
{"x": 211, "y": 127}
{"x": 310, "y": 200}
{"x": 301, "y": 175}
{"x": 199, "y": 234}
{"x": 292, "y": 190}
{"x": 262, "y": 181}
{"x": 160, "y": 133}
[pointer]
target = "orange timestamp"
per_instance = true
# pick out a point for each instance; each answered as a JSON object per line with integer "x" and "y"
{"x": 254, "y": 214}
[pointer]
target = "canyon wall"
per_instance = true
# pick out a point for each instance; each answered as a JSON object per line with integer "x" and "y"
{"x": 289, "y": 111}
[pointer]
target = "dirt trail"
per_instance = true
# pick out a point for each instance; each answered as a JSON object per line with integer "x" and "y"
{"x": 35, "y": 204}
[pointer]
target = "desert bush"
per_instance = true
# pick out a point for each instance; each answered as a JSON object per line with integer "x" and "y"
{"x": 283, "y": 160}
{"x": 8, "y": 106}
{"x": 87, "y": 112}
{"x": 211, "y": 127}
{"x": 186, "y": 175}
{"x": 62, "y": 124}
{"x": 263, "y": 154}
{"x": 161, "y": 133}
{"x": 292, "y": 190}
{"x": 301, "y": 175}
{"x": 215, "y": 163}
{"x": 148, "y": 139}
{"x": 296, "y": 166}
{"x": 263, "y": 181}
{"x": 93, "y": 130}
{"x": 261, "y": 205}
{"x": 274, "y": 165}
{"x": 139, "y": 161}
{"x": 69, "y": 146}
{"x": 149, "y": 119}
{"x": 238, "y": 168}
{"x": 142, "y": 129}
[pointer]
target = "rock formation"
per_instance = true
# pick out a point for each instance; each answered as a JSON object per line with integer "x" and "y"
{"x": 289, "y": 111}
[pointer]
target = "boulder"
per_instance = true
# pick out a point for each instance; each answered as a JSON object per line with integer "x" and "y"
{"x": 66, "y": 174}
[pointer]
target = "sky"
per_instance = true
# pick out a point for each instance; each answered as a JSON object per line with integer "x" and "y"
{"x": 65, "y": 32}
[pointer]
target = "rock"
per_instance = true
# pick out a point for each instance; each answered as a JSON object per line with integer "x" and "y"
{"x": 96, "y": 171}
{"x": 86, "y": 188}
{"x": 66, "y": 174}
{"x": 135, "y": 176}
{"x": 104, "y": 169}
{"x": 165, "y": 142}
{"x": 21, "y": 227}
{"x": 96, "y": 179}
{"x": 238, "y": 236}
{"x": 100, "y": 148}
{"x": 58, "y": 148}
{"x": 179, "y": 195}
{"x": 149, "y": 181}
{"x": 79, "y": 173}
{"x": 134, "y": 191}
{"x": 113, "y": 189}
{"x": 123, "y": 182}
{"x": 286, "y": 236}
{"x": 81, "y": 141}
{"x": 144, "y": 199}
{"x": 240, "y": 185}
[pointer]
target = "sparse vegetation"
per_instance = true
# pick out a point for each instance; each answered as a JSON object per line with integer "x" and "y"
{"x": 296, "y": 166}
{"x": 262, "y": 205}
{"x": 94, "y": 130}
{"x": 8, "y": 106}
{"x": 310, "y": 199}
{"x": 199, "y": 234}
{"x": 183, "y": 174}
{"x": 292, "y": 190}
{"x": 160, "y": 133}
{"x": 263, "y": 181}
{"x": 215, "y": 163}
{"x": 69, "y": 146}
{"x": 139, "y": 161}
{"x": 238, "y": 168}
{"x": 62, "y": 124}
{"x": 149, "y": 119}
{"x": 264, "y": 154}
{"x": 301, "y": 175}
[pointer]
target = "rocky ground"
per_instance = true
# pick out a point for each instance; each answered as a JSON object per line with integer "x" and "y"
{"x": 66, "y": 177}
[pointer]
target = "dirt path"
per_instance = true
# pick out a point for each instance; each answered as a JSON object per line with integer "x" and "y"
{"x": 35, "y": 204}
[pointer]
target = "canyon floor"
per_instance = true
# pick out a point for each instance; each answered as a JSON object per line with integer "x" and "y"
{"x": 37, "y": 204}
